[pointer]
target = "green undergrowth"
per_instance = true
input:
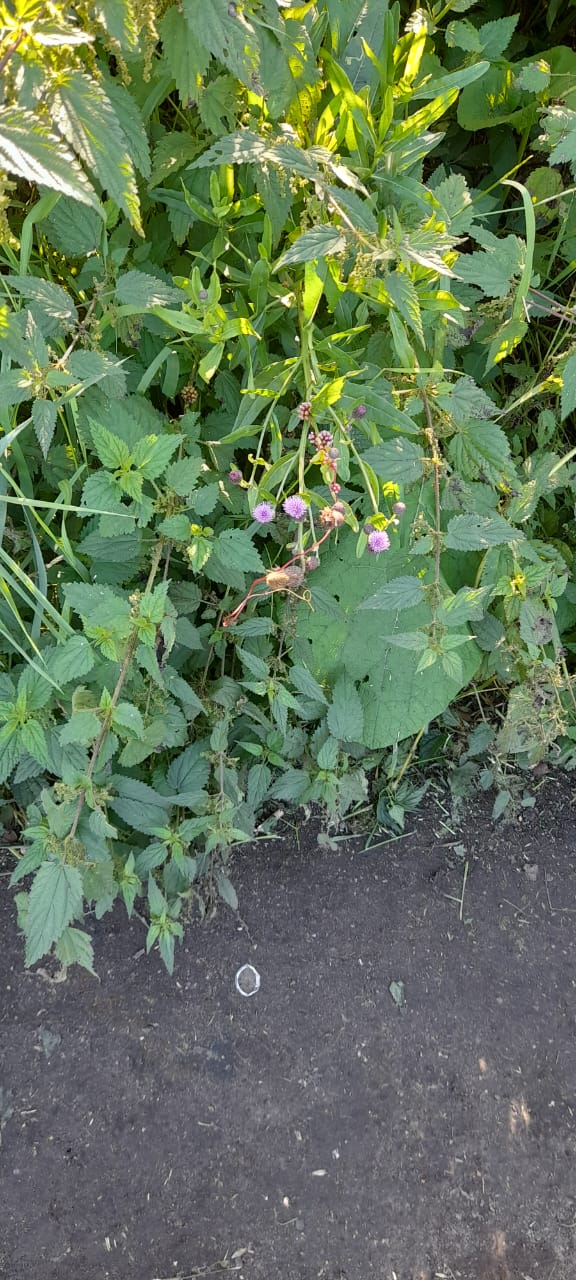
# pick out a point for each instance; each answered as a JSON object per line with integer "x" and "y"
{"x": 287, "y": 383}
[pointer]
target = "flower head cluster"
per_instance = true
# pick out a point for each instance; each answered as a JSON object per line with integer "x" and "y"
{"x": 235, "y": 476}
{"x": 378, "y": 541}
{"x": 304, "y": 411}
{"x": 263, "y": 512}
{"x": 295, "y": 507}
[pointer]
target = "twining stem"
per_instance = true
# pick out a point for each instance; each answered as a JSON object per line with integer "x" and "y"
{"x": 436, "y": 463}
{"x": 133, "y": 641}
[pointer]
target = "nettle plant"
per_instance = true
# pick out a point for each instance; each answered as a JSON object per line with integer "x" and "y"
{"x": 287, "y": 365}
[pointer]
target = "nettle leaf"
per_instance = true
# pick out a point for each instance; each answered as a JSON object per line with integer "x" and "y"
{"x": 481, "y": 450}
{"x": 137, "y": 289}
{"x": 73, "y": 229}
{"x": 536, "y": 623}
{"x": 90, "y": 367}
{"x": 186, "y": 58}
{"x": 493, "y": 268}
{"x": 86, "y": 118}
{"x": 33, "y": 739}
{"x": 345, "y": 717}
{"x": 401, "y": 593}
{"x": 398, "y": 460}
{"x": 559, "y": 135}
{"x": 153, "y": 454}
{"x": 318, "y": 242}
{"x": 234, "y": 547}
{"x": 128, "y": 718}
{"x": 227, "y": 32}
{"x": 568, "y": 399}
{"x": 75, "y": 947}
{"x": 83, "y": 727}
{"x": 54, "y": 900}
{"x": 29, "y": 149}
{"x": 131, "y": 123}
{"x": 53, "y": 301}
{"x": 44, "y": 416}
{"x": 258, "y": 784}
{"x": 402, "y": 291}
{"x": 467, "y": 605}
{"x": 305, "y": 683}
{"x": 183, "y": 476}
{"x": 476, "y": 533}
{"x": 397, "y": 699}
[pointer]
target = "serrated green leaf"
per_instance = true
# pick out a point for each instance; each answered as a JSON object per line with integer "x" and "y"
{"x": 258, "y": 784}
{"x": 29, "y": 149}
{"x": 398, "y": 460}
{"x": 227, "y": 32}
{"x": 44, "y": 418}
{"x": 318, "y": 242}
{"x": 476, "y": 533}
{"x": 33, "y": 739}
{"x": 255, "y": 665}
{"x": 153, "y": 454}
{"x": 128, "y": 718}
{"x": 142, "y": 291}
{"x": 85, "y": 117}
{"x": 401, "y": 593}
{"x": 536, "y": 623}
{"x": 481, "y": 450}
{"x": 345, "y": 717}
{"x": 227, "y": 891}
{"x": 90, "y": 367}
{"x": 305, "y": 683}
{"x": 568, "y": 400}
{"x": 74, "y": 946}
{"x": 235, "y": 548}
{"x": 54, "y": 900}
{"x": 73, "y": 229}
{"x": 182, "y": 476}
{"x": 83, "y": 726}
{"x": 327, "y": 757}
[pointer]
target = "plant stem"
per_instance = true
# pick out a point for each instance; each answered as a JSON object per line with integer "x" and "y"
{"x": 133, "y": 641}
{"x": 436, "y": 463}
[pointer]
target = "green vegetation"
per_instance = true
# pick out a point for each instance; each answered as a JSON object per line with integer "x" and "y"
{"x": 288, "y": 362}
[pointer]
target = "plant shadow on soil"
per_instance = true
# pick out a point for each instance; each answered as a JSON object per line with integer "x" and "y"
{"x": 153, "y": 1126}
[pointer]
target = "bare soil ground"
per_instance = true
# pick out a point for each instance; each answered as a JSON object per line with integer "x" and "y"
{"x": 320, "y": 1130}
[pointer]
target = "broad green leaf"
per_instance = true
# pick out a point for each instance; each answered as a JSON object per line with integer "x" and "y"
{"x": 397, "y": 460}
{"x": 44, "y": 419}
{"x": 305, "y": 683}
{"x": 235, "y": 547}
{"x": 345, "y": 716}
{"x": 476, "y": 533}
{"x": 128, "y": 718}
{"x": 481, "y": 450}
{"x": 90, "y": 367}
{"x": 73, "y": 229}
{"x": 327, "y": 757}
{"x": 137, "y": 289}
{"x": 568, "y": 400}
{"x": 258, "y": 784}
{"x": 131, "y": 123}
{"x": 83, "y": 726}
{"x": 85, "y": 117}
{"x": 186, "y": 57}
{"x": 33, "y": 739}
{"x": 228, "y": 33}
{"x": 536, "y": 623}
{"x": 318, "y": 242}
{"x": 183, "y": 476}
{"x": 189, "y": 772}
{"x": 30, "y": 150}
{"x": 397, "y": 701}
{"x": 401, "y": 593}
{"x": 54, "y": 900}
{"x": 227, "y": 891}
{"x": 52, "y": 301}
{"x": 74, "y": 946}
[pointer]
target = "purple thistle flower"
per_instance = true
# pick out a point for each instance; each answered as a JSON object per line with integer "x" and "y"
{"x": 295, "y": 507}
{"x": 399, "y": 508}
{"x": 263, "y": 512}
{"x": 234, "y": 476}
{"x": 378, "y": 541}
{"x": 360, "y": 411}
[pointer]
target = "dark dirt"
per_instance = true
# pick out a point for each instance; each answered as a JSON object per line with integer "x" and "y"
{"x": 154, "y": 1127}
